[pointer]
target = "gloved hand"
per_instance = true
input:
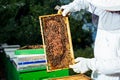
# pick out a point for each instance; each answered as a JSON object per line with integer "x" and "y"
{"x": 81, "y": 65}
{"x": 74, "y": 6}
{"x": 67, "y": 9}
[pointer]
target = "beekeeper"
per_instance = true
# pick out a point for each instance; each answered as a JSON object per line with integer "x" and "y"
{"x": 106, "y": 62}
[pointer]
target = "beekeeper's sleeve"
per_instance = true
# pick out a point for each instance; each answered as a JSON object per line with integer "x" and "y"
{"x": 74, "y": 6}
{"x": 108, "y": 66}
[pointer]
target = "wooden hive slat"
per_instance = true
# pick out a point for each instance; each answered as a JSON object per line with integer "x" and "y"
{"x": 73, "y": 77}
{"x": 57, "y": 41}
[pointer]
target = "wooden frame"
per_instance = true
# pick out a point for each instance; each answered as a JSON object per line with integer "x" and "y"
{"x": 73, "y": 77}
{"x": 57, "y": 41}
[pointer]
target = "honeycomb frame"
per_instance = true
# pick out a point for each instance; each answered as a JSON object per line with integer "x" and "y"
{"x": 57, "y": 41}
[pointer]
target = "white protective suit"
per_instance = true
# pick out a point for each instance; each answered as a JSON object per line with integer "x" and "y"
{"x": 106, "y": 64}
{"x": 110, "y": 5}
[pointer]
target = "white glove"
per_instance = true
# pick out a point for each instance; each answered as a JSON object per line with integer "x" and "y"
{"x": 74, "y": 6}
{"x": 81, "y": 66}
{"x": 67, "y": 9}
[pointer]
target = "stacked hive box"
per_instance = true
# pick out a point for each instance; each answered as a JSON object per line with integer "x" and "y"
{"x": 26, "y": 70}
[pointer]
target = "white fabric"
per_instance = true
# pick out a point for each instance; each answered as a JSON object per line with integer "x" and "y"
{"x": 81, "y": 65}
{"x": 76, "y": 5}
{"x": 106, "y": 64}
{"x": 107, "y": 54}
{"x": 111, "y": 5}
{"x": 107, "y": 20}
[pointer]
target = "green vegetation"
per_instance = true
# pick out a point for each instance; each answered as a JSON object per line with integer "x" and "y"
{"x": 19, "y": 22}
{"x": 87, "y": 52}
